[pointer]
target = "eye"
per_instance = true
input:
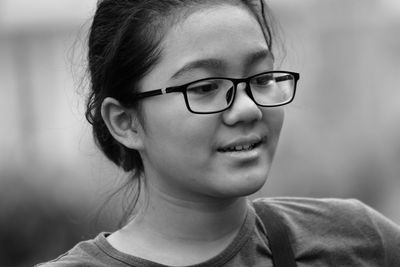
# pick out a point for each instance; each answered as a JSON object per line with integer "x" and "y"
{"x": 204, "y": 87}
{"x": 262, "y": 80}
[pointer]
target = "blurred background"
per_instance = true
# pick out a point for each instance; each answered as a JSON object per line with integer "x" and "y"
{"x": 341, "y": 136}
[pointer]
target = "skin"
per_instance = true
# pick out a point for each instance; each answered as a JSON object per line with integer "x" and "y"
{"x": 197, "y": 195}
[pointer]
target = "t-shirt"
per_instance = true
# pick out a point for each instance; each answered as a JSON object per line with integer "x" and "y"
{"x": 322, "y": 232}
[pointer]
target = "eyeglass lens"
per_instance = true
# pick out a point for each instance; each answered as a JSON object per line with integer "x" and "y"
{"x": 213, "y": 95}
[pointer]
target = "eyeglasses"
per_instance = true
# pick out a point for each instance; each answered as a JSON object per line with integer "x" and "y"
{"x": 216, "y": 94}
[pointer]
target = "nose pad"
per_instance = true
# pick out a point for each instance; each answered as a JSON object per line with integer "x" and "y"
{"x": 244, "y": 110}
{"x": 246, "y": 87}
{"x": 228, "y": 96}
{"x": 229, "y": 93}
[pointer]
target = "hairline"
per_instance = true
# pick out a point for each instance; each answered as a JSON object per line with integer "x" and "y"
{"x": 179, "y": 15}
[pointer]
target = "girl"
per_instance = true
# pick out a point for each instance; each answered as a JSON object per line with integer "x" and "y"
{"x": 184, "y": 95}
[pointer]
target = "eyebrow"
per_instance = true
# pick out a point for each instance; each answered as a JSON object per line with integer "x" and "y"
{"x": 216, "y": 65}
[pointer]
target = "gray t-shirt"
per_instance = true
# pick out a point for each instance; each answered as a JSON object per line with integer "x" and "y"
{"x": 323, "y": 232}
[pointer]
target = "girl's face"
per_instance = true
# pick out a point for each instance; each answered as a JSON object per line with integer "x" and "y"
{"x": 182, "y": 151}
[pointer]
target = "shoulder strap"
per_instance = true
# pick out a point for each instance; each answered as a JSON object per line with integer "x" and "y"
{"x": 282, "y": 254}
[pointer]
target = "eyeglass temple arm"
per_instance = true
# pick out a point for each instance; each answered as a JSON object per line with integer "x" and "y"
{"x": 157, "y": 92}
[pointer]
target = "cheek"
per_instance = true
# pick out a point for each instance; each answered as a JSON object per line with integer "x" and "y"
{"x": 174, "y": 128}
{"x": 274, "y": 118}
{"x": 278, "y": 118}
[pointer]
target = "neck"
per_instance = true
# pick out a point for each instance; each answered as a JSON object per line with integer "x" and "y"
{"x": 199, "y": 221}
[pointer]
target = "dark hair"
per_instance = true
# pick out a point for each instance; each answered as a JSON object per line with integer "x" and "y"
{"x": 124, "y": 44}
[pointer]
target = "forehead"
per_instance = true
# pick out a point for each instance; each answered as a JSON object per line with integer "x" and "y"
{"x": 225, "y": 32}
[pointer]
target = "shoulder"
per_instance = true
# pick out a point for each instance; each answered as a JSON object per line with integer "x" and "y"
{"x": 328, "y": 213}
{"x": 310, "y": 217}
{"x": 336, "y": 227}
{"x": 303, "y": 203}
{"x": 325, "y": 207}
{"x": 85, "y": 253}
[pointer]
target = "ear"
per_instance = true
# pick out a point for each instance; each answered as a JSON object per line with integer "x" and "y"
{"x": 122, "y": 123}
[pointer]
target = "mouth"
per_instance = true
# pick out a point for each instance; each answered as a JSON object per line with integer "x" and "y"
{"x": 241, "y": 147}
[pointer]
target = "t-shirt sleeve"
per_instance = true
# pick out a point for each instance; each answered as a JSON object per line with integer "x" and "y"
{"x": 388, "y": 231}
{"x": 338, "y": 232}
{"x": 84, "y": 254}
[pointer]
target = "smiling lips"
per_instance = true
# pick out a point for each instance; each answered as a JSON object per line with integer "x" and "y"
{"x": 241, "y": 145}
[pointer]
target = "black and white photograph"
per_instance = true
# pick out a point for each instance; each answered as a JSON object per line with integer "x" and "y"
{"x": 201, "y": 133}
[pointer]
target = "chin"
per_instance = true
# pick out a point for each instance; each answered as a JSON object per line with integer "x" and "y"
{"x": 254, "y": 184}
{"x": 244, "y": 185}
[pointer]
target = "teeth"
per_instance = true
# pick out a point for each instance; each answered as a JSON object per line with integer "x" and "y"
{"x": 239, "y": 148}
{"x": 245, "y": 147}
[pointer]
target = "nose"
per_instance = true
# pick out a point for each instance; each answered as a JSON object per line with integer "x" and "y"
{"x": 243, "y": 108}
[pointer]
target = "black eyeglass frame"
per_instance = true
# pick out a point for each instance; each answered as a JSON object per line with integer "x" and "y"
{"x": 182, "y": 89}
